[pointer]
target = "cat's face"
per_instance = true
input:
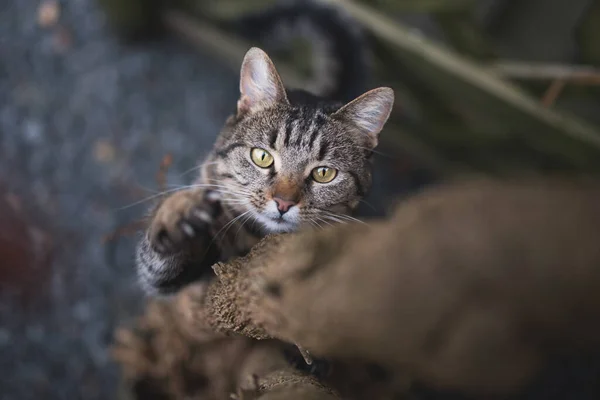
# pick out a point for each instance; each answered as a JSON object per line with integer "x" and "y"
{"x": 287, "y": 166}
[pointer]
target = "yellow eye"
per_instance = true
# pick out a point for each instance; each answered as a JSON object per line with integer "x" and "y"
{"x": 324, "y": 174}
{"x": 261, "y": 157}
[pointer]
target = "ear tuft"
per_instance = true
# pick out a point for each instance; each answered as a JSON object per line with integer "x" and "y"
{"x": 260, "y": 84}
{"x": 369, "y": 111}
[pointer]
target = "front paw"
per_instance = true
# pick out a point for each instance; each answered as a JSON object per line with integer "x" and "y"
{"x": 182, "y": 220}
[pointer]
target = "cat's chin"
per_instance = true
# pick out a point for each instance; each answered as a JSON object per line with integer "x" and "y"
{"x": 278, "y": 225}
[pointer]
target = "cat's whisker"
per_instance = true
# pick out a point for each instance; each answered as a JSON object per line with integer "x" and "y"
{"x": 368, "y": 204}
{"x": 233, "y": 201}
{"x": 237, "y": 192}
{"x": 344, "y": 217}
{"x": 227, "y": 226}
{"x": 378, "y": 152}
{"x": 231, "y": 224}
{"x": 311, "y": 222}
{"x": 235, "y": 183}
{"x": 242, "y": 224}
{"x": 153, "y": 191}
{"x": 240, "y": 193}
{"x": 325, "y": 221}
{"x": 154, "y": 196}
{"x": 217, "y": 188}
{"x": 236, "y": 204}
{"x": 196, "y": 168}
{"x": 351, "y": 219}
{"x": 235, "y": 197}
{"x": 355, "y": 219}
{"x": 237, "y": 189}
{"x": 332, "y": 218}
{"x": 203, "y": 185}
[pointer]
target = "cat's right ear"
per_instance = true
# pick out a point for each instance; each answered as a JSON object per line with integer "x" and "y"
{"x": 369, "y": 112}
{"x": 260, "y": 84}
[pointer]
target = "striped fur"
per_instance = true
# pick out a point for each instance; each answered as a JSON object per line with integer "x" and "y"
{"x": 236, "y": 202}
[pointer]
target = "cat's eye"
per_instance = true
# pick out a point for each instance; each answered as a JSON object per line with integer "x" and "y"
{"x": 261, "y": 157}
{"x": 324, "y": 174}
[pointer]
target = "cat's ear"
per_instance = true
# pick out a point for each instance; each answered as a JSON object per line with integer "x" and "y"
{"x": 260, "y": 84}
{"x": 369, "y": 112}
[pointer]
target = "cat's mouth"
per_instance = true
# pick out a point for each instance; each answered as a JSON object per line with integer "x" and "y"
{"x": 281, "y": 221}
{"x": 275, "y": 222}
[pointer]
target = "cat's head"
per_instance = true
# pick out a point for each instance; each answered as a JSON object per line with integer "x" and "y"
{"x": 288, "y": 165}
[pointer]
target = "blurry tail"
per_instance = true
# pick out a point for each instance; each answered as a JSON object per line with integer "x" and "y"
{"x": 324, "y": 44}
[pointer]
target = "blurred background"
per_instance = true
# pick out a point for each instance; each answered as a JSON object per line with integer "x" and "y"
{"x": 95, "y": 95}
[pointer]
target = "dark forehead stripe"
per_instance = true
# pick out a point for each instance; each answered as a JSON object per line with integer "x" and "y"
{"x": 320, "y": 119}
{"x": 273, "y": 137}
{"x": 302, "y": 130}
{"x": 313, "y": 135}
{"x": 289, "y": 124}
{"x": 227, "y": 149}
{"x": 317, "y": 124}
{"x": 323, "y": 149}
{"x": 288, "y": 132}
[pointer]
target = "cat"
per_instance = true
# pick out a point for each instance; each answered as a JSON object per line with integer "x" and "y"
{"x": 285, "y": 160}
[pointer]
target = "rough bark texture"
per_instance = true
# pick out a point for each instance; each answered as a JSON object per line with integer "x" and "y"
{"x": 173, "y": 354}
{"x": 471, "y": 286}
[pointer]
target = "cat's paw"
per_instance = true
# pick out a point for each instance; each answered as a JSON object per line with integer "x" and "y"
{"x": 182, "y": 220}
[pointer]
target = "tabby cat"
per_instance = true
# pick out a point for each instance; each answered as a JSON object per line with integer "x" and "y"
{"x": 285, "y": 160}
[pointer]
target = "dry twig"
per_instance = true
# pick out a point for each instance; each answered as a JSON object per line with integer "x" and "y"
{"x": 576, "y": 74}
{"x": 553, "y": 91}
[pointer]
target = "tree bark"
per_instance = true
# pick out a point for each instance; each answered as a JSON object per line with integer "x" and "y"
{"x": 469, "y": 286}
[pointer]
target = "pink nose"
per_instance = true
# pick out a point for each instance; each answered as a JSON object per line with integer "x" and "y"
{"x": 283, "y": 205}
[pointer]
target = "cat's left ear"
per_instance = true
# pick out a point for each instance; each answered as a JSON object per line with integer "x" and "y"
{"x": 369, "y": 112}
{"x": 260, "y": 84}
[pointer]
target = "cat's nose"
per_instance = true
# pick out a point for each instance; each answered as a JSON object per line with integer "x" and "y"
{"x": 283, "y": 205}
